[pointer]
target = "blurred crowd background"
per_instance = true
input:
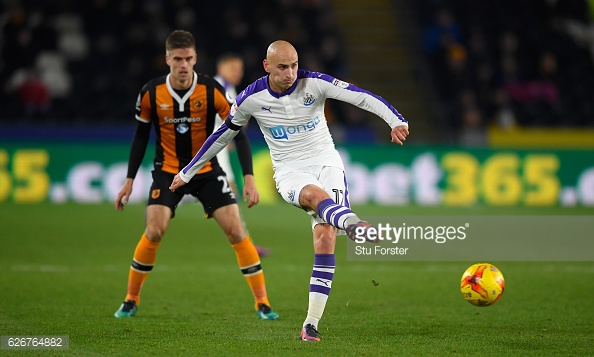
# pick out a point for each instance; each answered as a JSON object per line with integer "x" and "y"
{"x": 507, "y": 63}
{"x": 94, "y": 56}
{"x": 479, "y": 64}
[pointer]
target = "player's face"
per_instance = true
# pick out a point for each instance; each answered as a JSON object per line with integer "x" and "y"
{"x": 232, "y": 71}
{"x": 282, "y": 67}
{"x": 181, "y": 63}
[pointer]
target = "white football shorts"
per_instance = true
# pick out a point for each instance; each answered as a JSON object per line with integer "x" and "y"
{"x": 289, "y": 184}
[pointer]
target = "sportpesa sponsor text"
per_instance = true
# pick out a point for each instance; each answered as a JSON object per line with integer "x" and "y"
{"x": 181, "y": 120}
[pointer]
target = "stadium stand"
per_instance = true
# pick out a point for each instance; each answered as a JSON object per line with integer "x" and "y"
{"x": 94, "y": 56}
{"x": 505, "y": 63}
{"x": 510, "y": 63}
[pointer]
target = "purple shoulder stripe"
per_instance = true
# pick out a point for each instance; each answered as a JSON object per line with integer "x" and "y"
{"x": 256, "y": 87}
{"x": 351, "y": 87}
{"x": 302, "y": 73}
{"x": 354, "y": 88}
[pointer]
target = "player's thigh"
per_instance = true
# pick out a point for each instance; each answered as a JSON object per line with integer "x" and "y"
{"x": 290, "y": 183}
{"x": 334, "y": 182}
{"x": 160, "y": 194}
{"x": 214, "y": 192}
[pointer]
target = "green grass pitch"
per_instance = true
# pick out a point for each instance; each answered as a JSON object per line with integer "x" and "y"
{"x": 63, "y": 271}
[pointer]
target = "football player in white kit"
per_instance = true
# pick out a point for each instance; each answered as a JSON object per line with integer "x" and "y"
{"x": 229, "y": 75}
{"x": 288, "y": 105}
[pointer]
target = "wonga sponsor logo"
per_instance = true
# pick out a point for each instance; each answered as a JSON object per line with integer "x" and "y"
{"x": 283, "y": 132}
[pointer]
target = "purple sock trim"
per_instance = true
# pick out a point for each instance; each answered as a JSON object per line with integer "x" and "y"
{"x": 325, "y": 260}
{"x": 323, "y": 205}
{"x": 327, "y": 209}
{"x": 321, "y": 280}
{"x": 319, "y": 289}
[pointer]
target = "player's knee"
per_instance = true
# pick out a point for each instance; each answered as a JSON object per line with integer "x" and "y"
{"x": 154, "y": 234}
{"x": 235, "y": 232}
{"x": 310, "y": 196}
{"x": 236, "y": 236}
{"x": 324, "y": 239}
{"x": 325, "y": 232}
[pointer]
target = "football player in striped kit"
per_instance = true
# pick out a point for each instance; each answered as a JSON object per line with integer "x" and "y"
{"x": 182, "y": 106}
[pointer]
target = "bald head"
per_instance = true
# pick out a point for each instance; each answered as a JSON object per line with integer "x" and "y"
{"x": 280, "y": 48}
{"x": 281, "y": 63}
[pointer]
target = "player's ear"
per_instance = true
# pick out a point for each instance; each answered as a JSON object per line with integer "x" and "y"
{"x": 265, "y": 64}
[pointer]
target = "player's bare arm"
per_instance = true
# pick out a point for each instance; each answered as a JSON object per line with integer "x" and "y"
{"x": 250, "y": 192}
{"x": 399, "y": 134}
{"x": 124, "y": 194}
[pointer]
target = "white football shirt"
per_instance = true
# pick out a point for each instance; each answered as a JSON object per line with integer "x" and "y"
{"x": 293, "y": 122}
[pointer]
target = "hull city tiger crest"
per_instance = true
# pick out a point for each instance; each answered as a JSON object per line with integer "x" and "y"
{"x": 155, "y": 193}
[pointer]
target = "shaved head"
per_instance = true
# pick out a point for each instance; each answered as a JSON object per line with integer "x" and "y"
{"x": 280, "y": 48}
{"x": 281, "y": 63}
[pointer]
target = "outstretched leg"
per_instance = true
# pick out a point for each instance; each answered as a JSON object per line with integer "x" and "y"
{"x": 338, "y": 215}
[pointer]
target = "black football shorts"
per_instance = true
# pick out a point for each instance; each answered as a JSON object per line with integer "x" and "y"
{"x": 211, "y": 188}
